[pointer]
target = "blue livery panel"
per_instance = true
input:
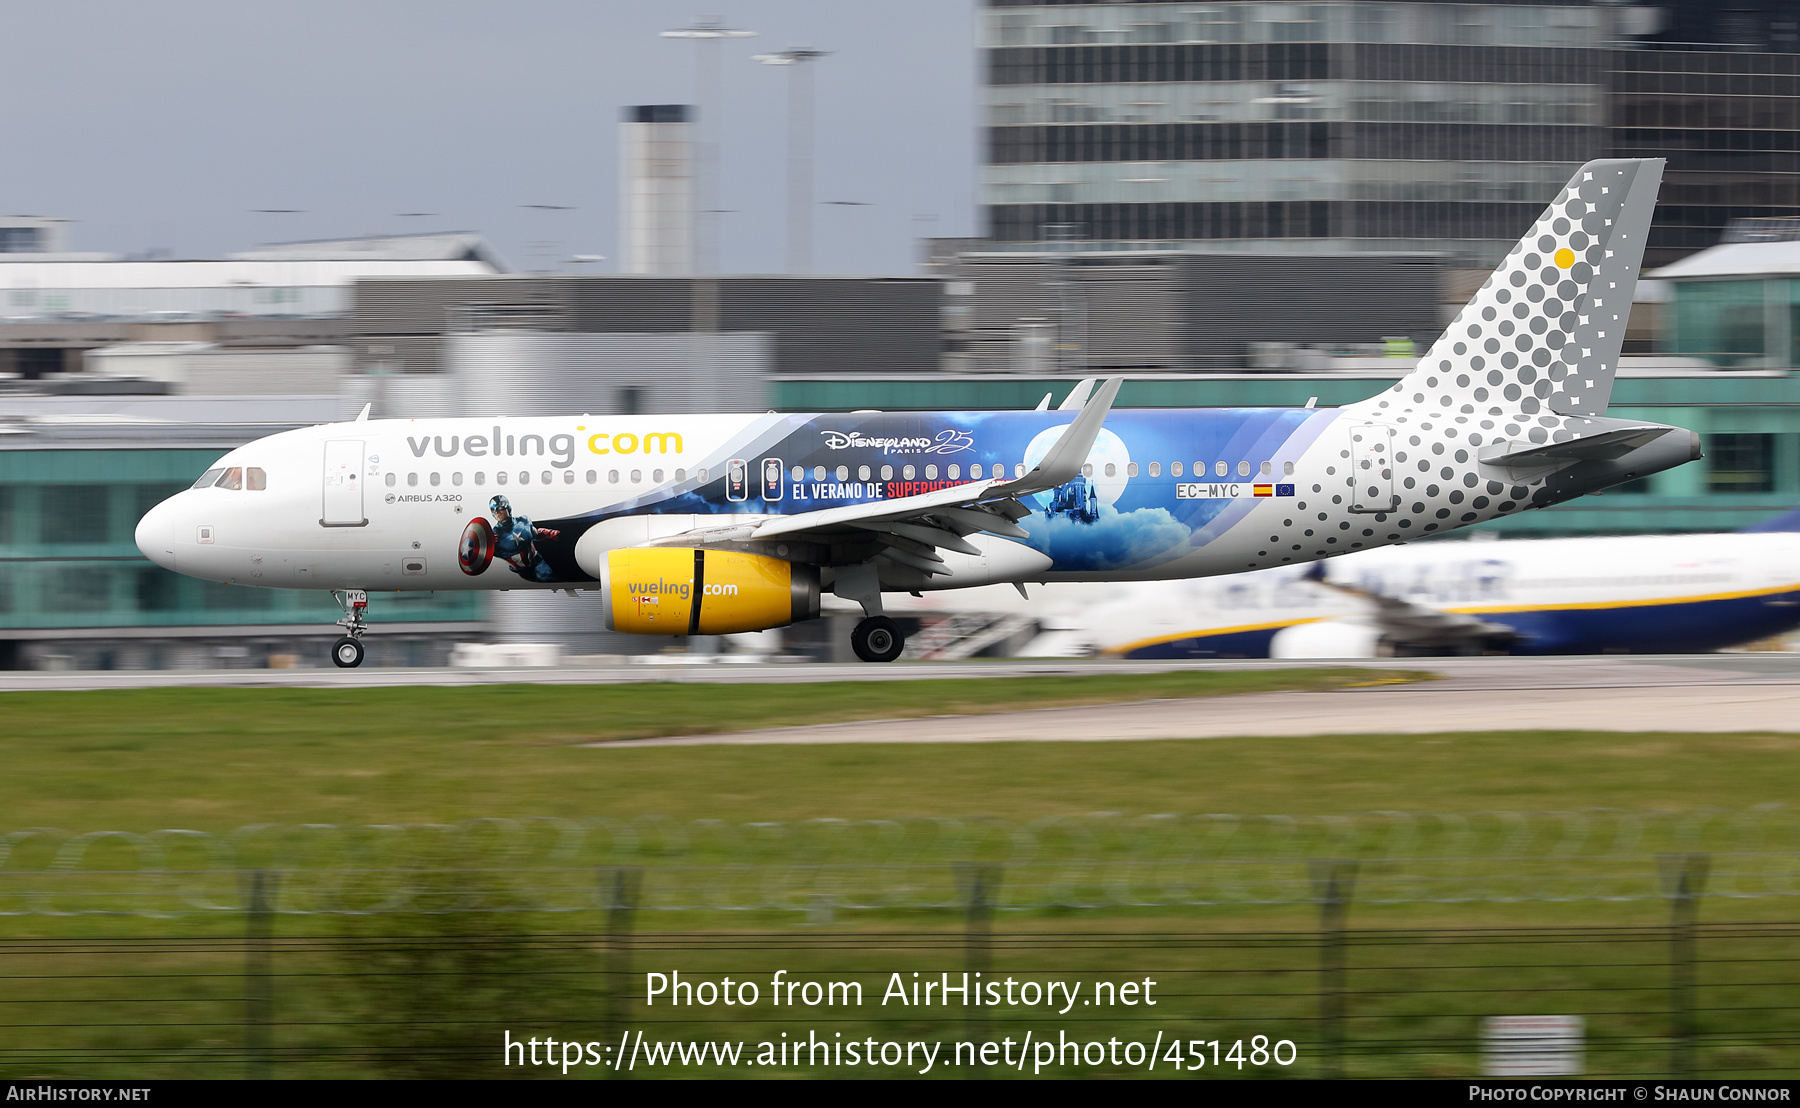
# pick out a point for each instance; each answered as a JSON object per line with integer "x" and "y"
{"x": 1152, "y": 491}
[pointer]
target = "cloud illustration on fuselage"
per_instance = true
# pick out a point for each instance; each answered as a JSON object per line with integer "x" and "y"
{"x": 1114, "y": 540}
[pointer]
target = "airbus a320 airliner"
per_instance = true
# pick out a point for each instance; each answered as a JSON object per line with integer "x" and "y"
{"x": 715, "y": 524}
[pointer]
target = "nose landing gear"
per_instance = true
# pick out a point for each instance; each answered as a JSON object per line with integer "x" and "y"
{"x": 347, "y": 652}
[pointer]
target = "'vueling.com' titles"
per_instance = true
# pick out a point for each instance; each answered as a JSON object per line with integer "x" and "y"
{"x": 559, "y": 448}
{"x": 683, "y": 589}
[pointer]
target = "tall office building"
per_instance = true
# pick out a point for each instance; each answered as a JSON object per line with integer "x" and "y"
{"x": 1328, "y": 127}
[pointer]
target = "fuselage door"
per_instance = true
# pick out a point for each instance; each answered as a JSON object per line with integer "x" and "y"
{"x": 1371, "y": 468}
{"x": 343, "y": 505}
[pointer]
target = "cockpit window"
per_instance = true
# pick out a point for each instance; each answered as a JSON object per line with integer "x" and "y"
{"x": 206, "y": 479}
{"x": 233, "y": 479}
{"x": 255, "y": 479}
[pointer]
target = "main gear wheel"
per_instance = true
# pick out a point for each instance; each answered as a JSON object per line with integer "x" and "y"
{"x": 877, "y": 639}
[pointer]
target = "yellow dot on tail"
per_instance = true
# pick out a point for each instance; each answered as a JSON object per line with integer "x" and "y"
{"x": 1565, "y": 258}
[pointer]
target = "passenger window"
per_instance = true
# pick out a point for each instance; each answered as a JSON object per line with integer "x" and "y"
{"x": 568, "y": 477}
{"x": 1267, "y": 468}
{"x": 681, "y": 475}
{"x": 412, "y": 480}
{"x": 500, "y": 477}
{"x": 818, "y": 473}
{"x": 256, "y": 479}
{"x": 435, "y": 478}
{"x": 391, "y": 478}
{"x": 592, "y": 477}
{"x": 1087, "y": 469}
{"x": 1131, "y": 469}
{"x": 862, "y": 473}
{"x": 1018, "y": 469}
{"x": 907, "y": 472}
{"x": 1156, "y": 469}
{"x": 931, "y": 473}
{"x": 1243, "y": 469}
{"x": 1111, "y": 469}
{"x": 1287, "y": 469}
{"x": 546, "y": 477}
{"x": 843, "y": 473}
{"x": 637, "y": 476}
{"x": 700, "y": 475}
{"x": 975, "y": 470}
{"x": 233, "y": 479}
{"x": 1221, "y": 469}
{"x": 887, "y": 473}
{"x": 456, "y": 478}
{"x": 953, "y": 473}
{"x": 1174, "y": 469}
{"x": 799, "y": 473}
{"x": 480, "y": 478}
{"x": 524, "y": 478}
{"x": 612, "y": 476}
{"x": 205, "y": 480}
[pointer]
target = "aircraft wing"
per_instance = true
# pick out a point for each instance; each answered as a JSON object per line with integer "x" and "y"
{"x": 1403, "y": 623}
{"x": 910, "y": 529}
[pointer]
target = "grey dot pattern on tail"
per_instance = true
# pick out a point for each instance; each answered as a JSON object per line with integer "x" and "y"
{"x": 1526, "y": 361}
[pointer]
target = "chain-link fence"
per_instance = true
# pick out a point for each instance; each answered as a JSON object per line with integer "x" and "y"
{"x": 874, "y": 866}
{"x": 424, "y": 951}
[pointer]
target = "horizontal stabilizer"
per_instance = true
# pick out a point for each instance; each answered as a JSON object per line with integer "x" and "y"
{"x": 1605, "y": 446}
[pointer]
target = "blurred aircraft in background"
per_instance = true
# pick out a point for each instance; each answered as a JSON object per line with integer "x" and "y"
{"x": 1628, "y": 594}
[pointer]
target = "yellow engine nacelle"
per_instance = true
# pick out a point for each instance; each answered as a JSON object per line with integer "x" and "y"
{"x": 683, "y": 591}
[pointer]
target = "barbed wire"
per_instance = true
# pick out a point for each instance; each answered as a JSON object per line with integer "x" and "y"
{"x": 825, "y": 866}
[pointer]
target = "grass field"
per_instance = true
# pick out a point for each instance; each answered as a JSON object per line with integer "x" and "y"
{"x": 213, "y": 759}
{"x": 137, "y": 995}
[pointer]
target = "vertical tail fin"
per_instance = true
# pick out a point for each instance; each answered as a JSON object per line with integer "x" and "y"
{"x": 1545, "y": 331}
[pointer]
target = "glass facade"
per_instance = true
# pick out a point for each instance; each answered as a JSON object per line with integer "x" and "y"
{"x": 1729, "y": 123}
{"x": 1399, "y": 126}
{"x": 1737, "y": 324}
{"x": 1739, "y": 462}
{"x": 67, "y": 519}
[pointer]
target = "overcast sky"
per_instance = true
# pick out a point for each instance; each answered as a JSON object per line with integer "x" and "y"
{"x": 165, "y": 125}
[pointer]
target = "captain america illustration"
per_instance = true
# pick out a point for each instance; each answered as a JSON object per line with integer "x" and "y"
{"x": 515, "y": 539}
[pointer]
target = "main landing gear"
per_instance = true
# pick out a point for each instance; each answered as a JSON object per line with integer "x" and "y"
{"x": 347, "y": 652}
{"x": 877, "y": 639}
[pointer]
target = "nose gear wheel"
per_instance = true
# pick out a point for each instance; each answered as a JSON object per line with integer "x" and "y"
{"x": 347, "y": 653}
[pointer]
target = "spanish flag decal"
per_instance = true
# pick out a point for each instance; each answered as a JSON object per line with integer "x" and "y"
{"x": 1265, "y": 490}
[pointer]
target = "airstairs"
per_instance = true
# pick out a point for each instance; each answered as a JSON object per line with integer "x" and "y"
{"x": 966, "y": 634}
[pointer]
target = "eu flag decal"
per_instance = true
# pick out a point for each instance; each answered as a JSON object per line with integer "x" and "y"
{"x": 1284, "y": 490}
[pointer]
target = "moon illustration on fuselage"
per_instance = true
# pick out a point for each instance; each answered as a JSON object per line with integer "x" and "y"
{"x": 1109, "y": 449}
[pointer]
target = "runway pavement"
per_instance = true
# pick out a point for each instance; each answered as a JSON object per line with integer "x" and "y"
{"x": 1458, "y": 673}
{"x": 1703, "y": 693}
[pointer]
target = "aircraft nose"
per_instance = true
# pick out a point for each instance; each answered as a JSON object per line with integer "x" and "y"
{"x": 157, "y": 532}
